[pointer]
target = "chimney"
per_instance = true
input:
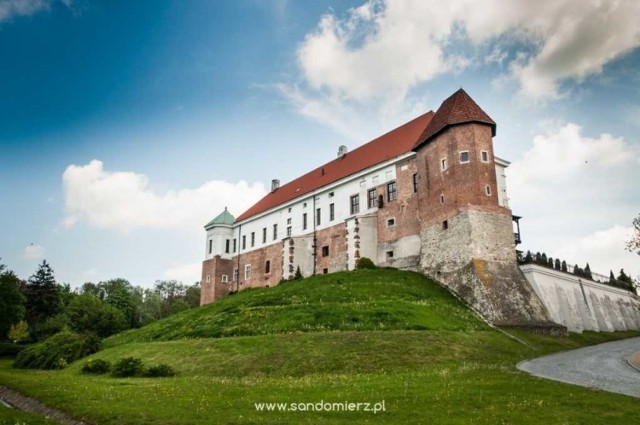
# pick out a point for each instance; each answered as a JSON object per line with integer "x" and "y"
{"x": 275, "y": 184}
{"x": 342, "y": 151}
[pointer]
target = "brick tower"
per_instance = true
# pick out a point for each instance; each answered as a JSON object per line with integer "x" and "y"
{"x": 467, "y": 240}
{"x": 218, "y": 264}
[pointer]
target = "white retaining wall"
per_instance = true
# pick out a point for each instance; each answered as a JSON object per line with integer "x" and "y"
{"x": 581, "y": 304}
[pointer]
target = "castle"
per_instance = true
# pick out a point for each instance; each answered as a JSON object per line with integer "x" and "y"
{"x": 428, "y": 196}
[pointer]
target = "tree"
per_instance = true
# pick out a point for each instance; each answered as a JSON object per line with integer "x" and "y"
{"x": 557, "y": 264}
{"x": 192, "y": 295}
{"x": 528, "y": 259}
{"x": 550, "y": 262}
{"x": 633, "y": 245}
{"x": 11, "y": 301}
{"x": 612, "y": 277}
{"x": 538, "y": 258}
{"x": 19, "y": 332}
{"x": 123, "y": 296}
{"x": 587, "y": 272}
{"x": 543, "y": 260}
{"x": 563, "y": 266}
{"x": 298, "y": 275}
{"x": 43, "y": 295}
{"x": 623, "y": 277}
{"x": 151, "y": 307}
{"x": 88, "y": 313}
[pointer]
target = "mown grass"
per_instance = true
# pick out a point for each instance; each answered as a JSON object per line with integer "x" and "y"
{"x": 361, "y": 300}
{"x": 16, "y": 417}
{"x": 452, "y": 370}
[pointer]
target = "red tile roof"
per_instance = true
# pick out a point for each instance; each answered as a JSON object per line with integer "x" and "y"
{"x": 459, "y": 108}
{"x": 386, "y": 147}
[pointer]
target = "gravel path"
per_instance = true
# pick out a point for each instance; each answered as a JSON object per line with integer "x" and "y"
{"x": 603, "y": 366}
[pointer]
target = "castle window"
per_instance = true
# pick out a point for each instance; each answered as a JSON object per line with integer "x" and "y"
{"x": 464, "y": 157}
{"x": 234, "y": 244}
{"x": 226, "y": 246}
{"x": 267, "y": 267}
{"x": 225, "y": 278}
{"x": 389, "y": 255}
{"x": 372, "y": 195}
{"x": 210, "y": 246}
{"x": 235, "y": 275}
{"x": 289, "y": 210}
{"x": 264, "y": 235}
{"x": 443, "y": 164}
{"x": 244, "y": 241}
{"x": 288, "y": 230}
{"x": 253, "y": 239}
{"x": 325, "y": 271}
{"x": 304, "y": 221}
{"x": 445, "y": 225}
{"x": 247, "y": 271}
{"x": 208, "y": 278}
{"x": 318, "y": 216}
{"x": 355, "y": 204}
{"x": 275, "y": 232}
{"x": 391, "y": 222}
{"x": 330, "y": 194}
{"x": 484, "y": 156}
{"x": 391, "y": 191}
{"x": 415, "y": 183}
{"x": 442, "y": 198}
{"x": 332, "y": 212}
{"x": 289, "y": 221}
{"x": 487, "y": 190}
{"x": 325, "y": 251}
{"x": 304, "y": 205}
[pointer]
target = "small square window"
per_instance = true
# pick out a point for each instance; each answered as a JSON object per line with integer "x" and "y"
{"x": 225, "y": 278}
{"x": 325, "y": 271}
{"x": 389, "y": 254}
{"x": 325, "y": 251}
{"x": 208, "y": 278}
{"x": 289, "y": 220}
{"x": 487, "y": 190}
{"x": 464, "y": 157}
{"x": 443, "y": 164}
{"x": 445, "y": 225}
{"x": 330, "y": 194}
{"x": 289, "y": 210}
{"x": 484, "y": 155}
{"x": 304, "y": 205}
{"x": 289, "y": 231}
{"x": 391, "y": 222}
{"x": 247, "y": 271}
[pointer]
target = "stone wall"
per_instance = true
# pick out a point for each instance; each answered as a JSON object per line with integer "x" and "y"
{"x": 581, "y": 304}
{"x": 474, "y": 256}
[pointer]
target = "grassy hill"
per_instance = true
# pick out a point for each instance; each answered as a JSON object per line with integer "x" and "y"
{"x": 361, "y": 300}
{"x": 363, "y": 336}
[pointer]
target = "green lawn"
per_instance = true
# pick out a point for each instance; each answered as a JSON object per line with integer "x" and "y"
{"x": 16, "y": 417}
{"x": 428, "y": 358}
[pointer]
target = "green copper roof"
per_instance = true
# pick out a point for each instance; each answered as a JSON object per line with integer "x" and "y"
{"x": 224, "y": 218}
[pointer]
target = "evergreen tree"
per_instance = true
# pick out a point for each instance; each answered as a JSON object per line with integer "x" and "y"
{"x": 550, "y": 264}
{"x": 577, "y": 271}
{"x": 298, "y": 275}
{"x": 557, "y": 264}
{"x": 587, "y": 272}
{"x": 528, "y": 259}
{"x": 11, "y": 302}
{"x": 543, "y": 259}
{"x": 563, "y": 267}
{"x": 612, "y": 277}
{"x": 623, "y": 277}
{"x": 43, "y": 295}
{"x": 538, "y": 258}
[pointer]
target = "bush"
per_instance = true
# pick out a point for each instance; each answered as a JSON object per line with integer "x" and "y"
{"x": 96, "y": 366}
{"x": 365, "y": 263}
{"x": 10, "y": 350}
{"x": 58, "y": 351}
{"x": 128, "y": 366}
{"x": 158, "y": 371}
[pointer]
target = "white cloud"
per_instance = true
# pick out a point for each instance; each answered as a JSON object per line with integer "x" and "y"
{"x": 604, "y": 250}
{"x": 383, "y": 50}
{"x": 187, "y": 274}
{"x": 14, "y": 8}
{"x": 569, "y": 187}
{"x": 33, "y": 252}
{"x": 123, "y": 201}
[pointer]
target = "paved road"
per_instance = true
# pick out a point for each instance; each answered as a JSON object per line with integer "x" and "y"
{"x": 601, "y": 366}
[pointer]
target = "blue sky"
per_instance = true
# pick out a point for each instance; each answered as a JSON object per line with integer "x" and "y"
{"x": 125, "y": 126}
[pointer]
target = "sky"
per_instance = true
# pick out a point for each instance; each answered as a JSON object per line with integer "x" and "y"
{"x": 126, "y": 126}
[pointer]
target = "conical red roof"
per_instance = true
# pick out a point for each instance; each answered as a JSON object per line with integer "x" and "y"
{"x": 459, "y": 108}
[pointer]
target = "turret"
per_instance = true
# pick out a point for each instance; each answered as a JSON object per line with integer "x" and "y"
{"x": 220, "y": 236}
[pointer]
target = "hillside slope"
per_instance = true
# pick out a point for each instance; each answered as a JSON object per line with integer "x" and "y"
{"x": 383, "y": 299}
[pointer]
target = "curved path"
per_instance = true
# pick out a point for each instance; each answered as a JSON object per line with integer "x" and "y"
{"x": 603, "y": 366}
